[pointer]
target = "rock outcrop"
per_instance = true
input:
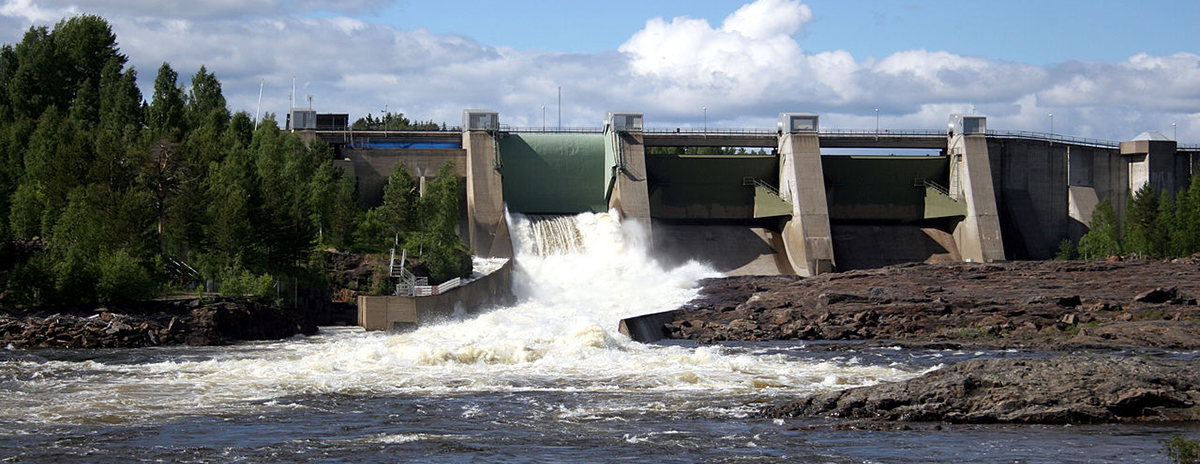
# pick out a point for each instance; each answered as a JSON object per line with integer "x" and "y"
{"x": 1052, "y": 304}
{"x": 1059, "y": 390}
{"x": 187, "y": 322}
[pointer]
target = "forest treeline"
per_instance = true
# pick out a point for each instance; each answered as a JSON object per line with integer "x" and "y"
{"x": 107, "y": 197}
{"x": 1157, "y": 225}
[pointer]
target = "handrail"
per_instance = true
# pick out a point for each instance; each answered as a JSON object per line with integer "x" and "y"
{"x": 934, "y": 185}
{"x": 770, "y": 189}
{"x": 551, "y": 130}
{"x": 1027, "y": 135}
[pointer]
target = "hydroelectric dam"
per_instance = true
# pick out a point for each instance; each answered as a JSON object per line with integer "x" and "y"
{"x": 782, "y": 206}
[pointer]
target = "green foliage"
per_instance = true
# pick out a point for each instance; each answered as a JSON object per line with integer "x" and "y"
{"x": 122, "y": 278}
{"x": 166, "y": 113}
{"x": 442, "y": 251}
{"x": 1066, "y": 250}
{"x": 1104, "y": 236}
{"x": 1143, "y": 232}
{"x": 241, "y": 283}
{"x": 393, "y": 121}
{"x": 1156, "y": 225}
{"x": 1180, "y": 450}
{"x": 114, "y": 185}
{"x": 401, "y": 202}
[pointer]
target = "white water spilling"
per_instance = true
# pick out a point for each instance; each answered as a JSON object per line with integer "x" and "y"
{"x": 560, "y": 336}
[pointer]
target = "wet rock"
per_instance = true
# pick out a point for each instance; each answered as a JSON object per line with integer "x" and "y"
{"x": 1063, "y": 390}
{"x": 1158, "y": 295}
{"x": 998, "y": 305}
{"x": 153, "y": 324}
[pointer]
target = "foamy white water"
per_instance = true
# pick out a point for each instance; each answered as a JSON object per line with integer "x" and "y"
{"x": 561, "y": 336}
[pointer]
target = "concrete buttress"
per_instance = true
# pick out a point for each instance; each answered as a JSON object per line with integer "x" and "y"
{"x": 807, "y": 237}
{"x": 978, "y": 234}
{"x": 485, "y": 197}
{"x": 628, "y": 193}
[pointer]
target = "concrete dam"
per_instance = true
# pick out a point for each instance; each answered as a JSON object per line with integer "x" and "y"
{"x": 783, "y": 207}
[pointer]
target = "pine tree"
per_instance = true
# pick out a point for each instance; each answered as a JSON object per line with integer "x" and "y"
{"x": 1104, "y": 236}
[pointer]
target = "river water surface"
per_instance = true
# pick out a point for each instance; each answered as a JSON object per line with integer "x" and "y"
{"x": 547, "y": 380}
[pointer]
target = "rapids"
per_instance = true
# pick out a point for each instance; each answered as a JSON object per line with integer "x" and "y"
{"x": 548, "y": 379}
{"x": 576, "y": 277}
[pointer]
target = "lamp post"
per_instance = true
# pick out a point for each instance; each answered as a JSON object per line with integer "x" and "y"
{"x": 385, "y": 120}
{"x": 1051, "y": 128}
{"x": 1175, "y": 129}
{"x": 876, "y": 123}
{"x": 706, "y": 120}
{"x": 543, "y": 118}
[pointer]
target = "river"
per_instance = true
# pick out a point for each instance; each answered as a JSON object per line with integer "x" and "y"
{"x": 547, "y": 380}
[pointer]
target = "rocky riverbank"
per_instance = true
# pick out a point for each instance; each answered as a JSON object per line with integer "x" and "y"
{"x": 1103, "y": 307}
{"x": 1056, "y": 305}
{"x": 1060, "y": 390}
{"x": 183, "y": 322}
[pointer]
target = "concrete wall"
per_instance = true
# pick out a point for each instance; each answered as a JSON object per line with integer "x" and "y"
{"x": 1046, "y": 193}
{"x": 487, "y": 227}
{"x": 372, "y": 167}
{"x": 1094, "y": 175}
{"x": 1157, "y": 163}
{"x": 706, "y": 186}
{"x": 628, "y": 191}
{"x": 649, "y": 328}
{"x": 881, "y": 188}
{"x": 408, "y": 312}
{"x": 807, "y": 238}
{"x": 977, "y": 236}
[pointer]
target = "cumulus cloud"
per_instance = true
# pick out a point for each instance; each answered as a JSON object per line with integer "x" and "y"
{"x": 744, "y": 70}
{"x": 746, "y": 55}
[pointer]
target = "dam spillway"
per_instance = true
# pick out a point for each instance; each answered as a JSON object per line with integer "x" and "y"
{"x": 985, "y": 195}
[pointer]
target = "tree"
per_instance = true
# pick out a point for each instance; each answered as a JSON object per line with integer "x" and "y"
{"x": 86, "y": 44}
{"x": 120, "y": 100}
{"x": 401, "y": 201}
{"x": 1104, "y": 237}
{"x": 1143, "y": 232}
{"x": 442, "y": 251}
{"x": 205, "y": 104}
{"x": 1185, "y": 233}
{"x": 166, "y": 116}
{"x": 36, "y": 84}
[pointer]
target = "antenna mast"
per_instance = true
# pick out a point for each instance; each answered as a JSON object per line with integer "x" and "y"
{"x": 258, "y": 109}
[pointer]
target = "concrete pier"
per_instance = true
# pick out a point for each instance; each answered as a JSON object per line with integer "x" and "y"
{"x": 625, "y": 158}
{"x": 807, "y": 237}
{"x": 977, "y": 236}
{"x": 486, "y": 224}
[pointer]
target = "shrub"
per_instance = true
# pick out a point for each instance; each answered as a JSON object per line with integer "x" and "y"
{"x": 1180, "y": 450}
{"x": 122, "y": 278}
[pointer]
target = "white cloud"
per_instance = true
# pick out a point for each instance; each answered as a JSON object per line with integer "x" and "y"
{"x": 744, "y": 71}
{"x": 33, "y": 13}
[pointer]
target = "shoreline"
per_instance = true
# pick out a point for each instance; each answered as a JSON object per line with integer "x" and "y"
{"x": 1061, "y": 307}
{"x": 191, "y": 322}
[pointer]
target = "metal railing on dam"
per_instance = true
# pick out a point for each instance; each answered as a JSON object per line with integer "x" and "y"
{"x": 757, "y": 137}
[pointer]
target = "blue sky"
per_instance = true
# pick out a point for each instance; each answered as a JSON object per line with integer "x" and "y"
{"x": 1035, "y": 32}
{"x": 1105, "y": 69}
